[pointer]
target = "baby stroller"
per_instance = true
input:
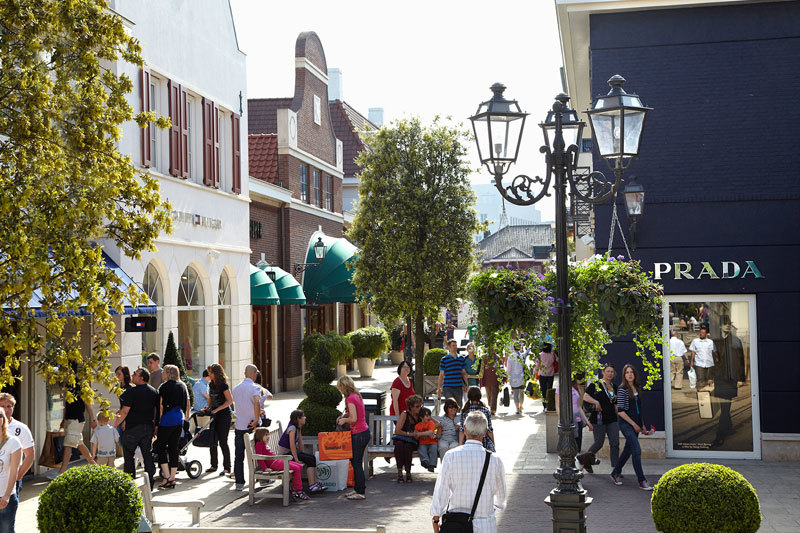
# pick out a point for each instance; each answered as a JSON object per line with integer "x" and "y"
{"x": 192, "y": 468}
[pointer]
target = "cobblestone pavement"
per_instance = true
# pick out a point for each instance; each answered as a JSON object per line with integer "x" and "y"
{"x": 405, "y": 508}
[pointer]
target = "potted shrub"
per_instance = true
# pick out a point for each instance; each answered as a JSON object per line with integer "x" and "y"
{"x": 368, "y": 345}
{"x": 90, "y": 498}
{"x": 322, "y": 398}
{"x": 339, "y": 348}
{"x": 430, "y": 367}
{"x": 396, "y": 338}
{"x": 699, "y": 497}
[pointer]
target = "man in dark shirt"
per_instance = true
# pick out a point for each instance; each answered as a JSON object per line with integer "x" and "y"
{"x": 73, "y": 423}
{"x": 140, "y": 413}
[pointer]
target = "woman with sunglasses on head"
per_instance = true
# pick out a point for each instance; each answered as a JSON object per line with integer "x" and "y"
{"x": 629, "y": 410}
{"x": 602, "y": 396}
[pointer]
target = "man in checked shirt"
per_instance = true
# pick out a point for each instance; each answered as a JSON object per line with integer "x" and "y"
{"x": 459, "y": 477}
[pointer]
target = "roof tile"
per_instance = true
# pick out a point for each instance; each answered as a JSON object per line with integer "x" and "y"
{"x": 263, "y": 156}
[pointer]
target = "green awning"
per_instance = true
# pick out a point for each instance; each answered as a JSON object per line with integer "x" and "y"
{"x": 331, "y": 281}
{"x": 262, "y": 289}
{"x": 289, "y": 290}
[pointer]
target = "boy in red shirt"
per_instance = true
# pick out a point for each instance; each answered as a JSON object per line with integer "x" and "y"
{"x": 428, "y": 433}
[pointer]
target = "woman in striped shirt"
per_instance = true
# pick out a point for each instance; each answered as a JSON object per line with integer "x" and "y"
{"x": 474, "y": 403}
{"x": 629, "y": 409}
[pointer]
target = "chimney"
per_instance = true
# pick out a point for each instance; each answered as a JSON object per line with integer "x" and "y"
{"x": 376, "y": 115}
{"x": 335, "y": 84}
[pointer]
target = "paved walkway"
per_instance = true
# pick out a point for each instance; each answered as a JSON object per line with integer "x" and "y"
{"x": 405, "y": 508}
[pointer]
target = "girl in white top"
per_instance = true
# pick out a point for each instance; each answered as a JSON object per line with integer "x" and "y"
{"x": 10, "y": 457}
{"x": 515, "y": 366}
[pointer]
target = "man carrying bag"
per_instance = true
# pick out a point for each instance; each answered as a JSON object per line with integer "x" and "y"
{"x": 464, "y": 468}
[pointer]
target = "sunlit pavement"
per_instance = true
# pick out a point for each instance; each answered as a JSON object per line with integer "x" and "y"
{"x": 405, "y": 507}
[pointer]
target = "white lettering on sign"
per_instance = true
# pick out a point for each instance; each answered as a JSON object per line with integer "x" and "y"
{"x": 729, "y": 269}
{"x": 196, "y": 220}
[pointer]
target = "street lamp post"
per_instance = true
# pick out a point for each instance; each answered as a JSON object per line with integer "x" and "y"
{"x": 617, "y": 121}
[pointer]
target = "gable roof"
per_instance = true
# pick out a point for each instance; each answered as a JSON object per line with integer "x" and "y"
{"x": 517, "y": 242}
{"x": 262, "y": 114}
{"x": 347, "y": 122}
{"x": 263, "y": 156}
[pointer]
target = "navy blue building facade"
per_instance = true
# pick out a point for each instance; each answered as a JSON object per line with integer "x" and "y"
{"x": 721, "y": 169}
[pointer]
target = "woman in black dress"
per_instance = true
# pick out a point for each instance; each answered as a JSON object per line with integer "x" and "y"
{"x": 220, "y": 407}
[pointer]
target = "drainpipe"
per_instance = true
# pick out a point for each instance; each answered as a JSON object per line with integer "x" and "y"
{"x": 284, "y": 319}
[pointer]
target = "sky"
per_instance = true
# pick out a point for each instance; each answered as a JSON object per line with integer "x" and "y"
{"x": 415, "y": 58}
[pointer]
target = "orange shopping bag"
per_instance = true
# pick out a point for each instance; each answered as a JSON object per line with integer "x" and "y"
{"x": 335, "y": 445}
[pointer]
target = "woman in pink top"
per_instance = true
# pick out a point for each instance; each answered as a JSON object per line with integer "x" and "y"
{"x": 580, "y": 417}
{"x": 354, "y": 415}
{"x": 546, "y": 368}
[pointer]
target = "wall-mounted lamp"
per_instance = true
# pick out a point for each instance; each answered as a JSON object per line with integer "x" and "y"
{"x": 634, "y": 202}
{"x": 320, "y": 249}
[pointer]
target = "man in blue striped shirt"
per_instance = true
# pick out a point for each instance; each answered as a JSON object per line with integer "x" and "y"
{"x": 452, "y": 374}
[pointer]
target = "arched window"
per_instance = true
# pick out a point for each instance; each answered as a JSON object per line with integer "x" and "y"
{"x": 191, "y": 322}
{"x": 224, "y": 314}
{"x": 152, "y": 341}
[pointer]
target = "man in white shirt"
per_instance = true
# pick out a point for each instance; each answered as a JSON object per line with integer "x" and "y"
{"x": 20, "y": 431}
{"x": 247, "y": 406}
{"x": 460, "y": 474}
{"x": 677, "y": 349}
{"x": 702, "y": 357}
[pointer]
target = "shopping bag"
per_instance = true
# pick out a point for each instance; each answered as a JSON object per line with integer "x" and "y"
{"x": 692, "y": 378}
{"x": 506, "y": 401}
{"x": 335, "y": 445}
{"x": 48, "y": 455}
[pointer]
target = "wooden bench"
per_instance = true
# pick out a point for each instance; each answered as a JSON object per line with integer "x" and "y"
{"x": 256, "y": 474}
{"x": 150, "y": 503}
{"x": 381, "y": 428}
{"x": 378, "y": 529}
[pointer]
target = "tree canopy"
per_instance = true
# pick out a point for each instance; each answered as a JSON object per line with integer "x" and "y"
{"x": 414, "y": 223}
{"x": 64, "y": 186}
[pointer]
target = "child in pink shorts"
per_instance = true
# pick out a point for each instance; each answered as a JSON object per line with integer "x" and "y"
{"x": 261, "y": 437}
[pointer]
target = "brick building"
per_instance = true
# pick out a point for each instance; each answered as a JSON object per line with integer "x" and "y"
{"x": 296, "y": 191}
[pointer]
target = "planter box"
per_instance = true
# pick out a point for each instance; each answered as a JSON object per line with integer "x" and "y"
{"x": 365, "y": 366}
{"x": 341, "y": 370}
{"x": 396, "y": 357}
{"x": 551, "y": 431}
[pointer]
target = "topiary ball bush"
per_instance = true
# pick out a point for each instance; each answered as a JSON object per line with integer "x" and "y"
{"x": 703, "y": 497}
{"x": 90, "y": 499}
{"x": 430, "y": 364}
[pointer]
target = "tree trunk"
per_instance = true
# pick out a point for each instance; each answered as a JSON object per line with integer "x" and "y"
{"x": 419, "y": 333}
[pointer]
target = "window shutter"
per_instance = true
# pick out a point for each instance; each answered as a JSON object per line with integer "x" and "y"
{"x": 144, "y": 101}
{"x": 175, "y": 129}
{"x": 216, "y": 122}
{"x": 208, "y": 142}
{"x": 184, "y": 134}
{"x": 236, "y": 142}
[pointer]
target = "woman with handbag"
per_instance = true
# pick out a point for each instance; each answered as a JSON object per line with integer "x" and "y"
{"x": 602, "y": 396}
{"x": 546, "y": 367}
{"x": 629, "y": 410}
{"x": 360, "y": 433}
{"x": 405, "y": 437}
{"x": 220, "y": 406}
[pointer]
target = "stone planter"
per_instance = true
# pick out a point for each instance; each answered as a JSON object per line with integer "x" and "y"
{"x": 341, "y": 370}
{"x": 396, "y": 357}
{"x": 365, "y": 366}
{"x": 551, "y": 430}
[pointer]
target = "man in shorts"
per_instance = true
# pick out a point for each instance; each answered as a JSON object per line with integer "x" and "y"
{"x": 72, "y": 424}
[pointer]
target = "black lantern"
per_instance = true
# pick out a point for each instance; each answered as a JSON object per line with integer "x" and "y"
{"x": 320, "y": 249}
{"x": 571, "y": 126}
{"x": 617, "y": 121}
{"x": 498, "y": 126}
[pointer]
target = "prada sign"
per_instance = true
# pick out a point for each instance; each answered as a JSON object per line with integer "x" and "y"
{"x": 724, "y": 270}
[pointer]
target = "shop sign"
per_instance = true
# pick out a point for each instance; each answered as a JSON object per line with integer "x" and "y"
{"x": 725, "y": 270}
{"x": 196, "y": 220}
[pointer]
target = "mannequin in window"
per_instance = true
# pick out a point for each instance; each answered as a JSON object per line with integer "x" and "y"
{"x": 729, "y": 370}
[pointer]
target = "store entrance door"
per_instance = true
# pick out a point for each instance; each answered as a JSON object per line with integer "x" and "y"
{"x": 262, "y": 342}
{"x": 711, "y": 377}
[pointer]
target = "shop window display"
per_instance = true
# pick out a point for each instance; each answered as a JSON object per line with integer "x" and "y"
{"x": 191, "y": 322}
{"x": 710, "y": 377}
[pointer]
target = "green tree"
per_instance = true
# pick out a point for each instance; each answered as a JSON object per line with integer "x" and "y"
{"x": 64, "y": 187}
{"x": 414, "y": 223}
{"x": 172, "y": 357}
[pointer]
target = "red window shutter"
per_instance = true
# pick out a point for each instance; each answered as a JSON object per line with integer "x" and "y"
{"x": 144, "y": 101}
{"x": 208, "y": 142}
{"x": 184, "y": 134}
{"x": 175, "y": 129}
{"x": 237, "y": 153}
{"x": 215, "y": 121}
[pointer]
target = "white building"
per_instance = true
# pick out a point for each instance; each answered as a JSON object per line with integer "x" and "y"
{"x": 199, "y": 277}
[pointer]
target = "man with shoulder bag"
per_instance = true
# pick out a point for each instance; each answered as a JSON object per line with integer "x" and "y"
{"x": 464, "y": 468}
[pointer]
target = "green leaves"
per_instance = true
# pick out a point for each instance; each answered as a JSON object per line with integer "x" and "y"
{"x": 64, "y": 187}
